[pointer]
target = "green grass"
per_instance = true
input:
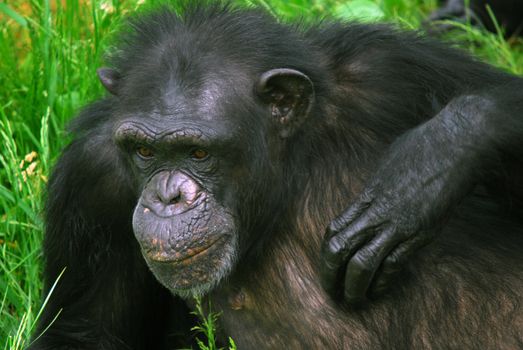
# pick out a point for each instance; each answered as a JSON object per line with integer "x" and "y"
{"x": 49, "y": 52}
{"x": 206, "y": 328}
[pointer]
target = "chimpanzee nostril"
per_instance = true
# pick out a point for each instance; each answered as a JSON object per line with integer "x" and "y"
{"x": 170, "y": 195}
{"x": 176, "y": 199}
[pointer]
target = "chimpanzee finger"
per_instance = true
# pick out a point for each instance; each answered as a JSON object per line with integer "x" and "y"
{"x": 349, "y": 215}
{"x": 336, "y": 251}
{"x": 362, "y": 267}
{"x": 394, "y": 263}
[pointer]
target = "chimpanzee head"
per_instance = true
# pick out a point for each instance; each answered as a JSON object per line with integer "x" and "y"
{"x": 200, "y": 127}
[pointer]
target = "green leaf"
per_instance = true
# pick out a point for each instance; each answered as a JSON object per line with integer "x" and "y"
{"x": 5, "y": 9}
{"x": 364, "y": 10}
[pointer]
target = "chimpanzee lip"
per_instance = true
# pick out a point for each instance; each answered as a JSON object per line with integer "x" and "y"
{"x": 191, "y": 253}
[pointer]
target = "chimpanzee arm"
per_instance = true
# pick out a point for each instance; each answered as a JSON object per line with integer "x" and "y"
{"x": 106, "y": 298}
{"x": 424, "y": 175}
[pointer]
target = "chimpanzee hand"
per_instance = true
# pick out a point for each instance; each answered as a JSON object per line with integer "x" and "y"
{"x": 422, "y": 176}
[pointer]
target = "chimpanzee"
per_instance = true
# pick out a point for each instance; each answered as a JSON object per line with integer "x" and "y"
{"x": 230, "y": 141}
{"x": 508, "y": 14}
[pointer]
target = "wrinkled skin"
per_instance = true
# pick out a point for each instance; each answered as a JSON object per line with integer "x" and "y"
{"x": 405, "y": 203}
{"x": 417, "y": 184}
{"x": 187, "y": 236}
{"x": 187, "y": 239}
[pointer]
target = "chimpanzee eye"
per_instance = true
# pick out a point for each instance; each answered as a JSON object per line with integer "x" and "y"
{"x": 144, "y": 152}
{"x": 199, "y": 154}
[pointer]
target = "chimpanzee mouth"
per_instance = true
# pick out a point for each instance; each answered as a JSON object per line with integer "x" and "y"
{"x": 196, "y": 270}
{"x": 190, "y": 254}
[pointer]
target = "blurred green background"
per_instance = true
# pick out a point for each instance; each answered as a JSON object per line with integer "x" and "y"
{"x": 49, "y": 52}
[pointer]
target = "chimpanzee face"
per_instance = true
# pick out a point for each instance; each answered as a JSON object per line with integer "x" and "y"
{"x": 190, "y": 167}
{"x": 180, "y": 152}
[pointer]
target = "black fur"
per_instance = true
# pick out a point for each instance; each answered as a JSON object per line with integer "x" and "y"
{"x": 372, "y": 84}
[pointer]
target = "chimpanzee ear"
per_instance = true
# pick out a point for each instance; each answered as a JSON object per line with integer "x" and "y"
{"x": 289, "y": 94}
{"x": 109, "y": 79}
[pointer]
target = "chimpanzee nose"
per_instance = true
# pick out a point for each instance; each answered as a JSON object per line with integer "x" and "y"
{"x": 176, "y": 187}
{"x": 170, "y": 193}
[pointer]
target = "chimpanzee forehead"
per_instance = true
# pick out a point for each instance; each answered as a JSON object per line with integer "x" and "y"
{"x": 214, "y": 103}
{"x": 206, "y": 93}
{"x": 197, "y": 95}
